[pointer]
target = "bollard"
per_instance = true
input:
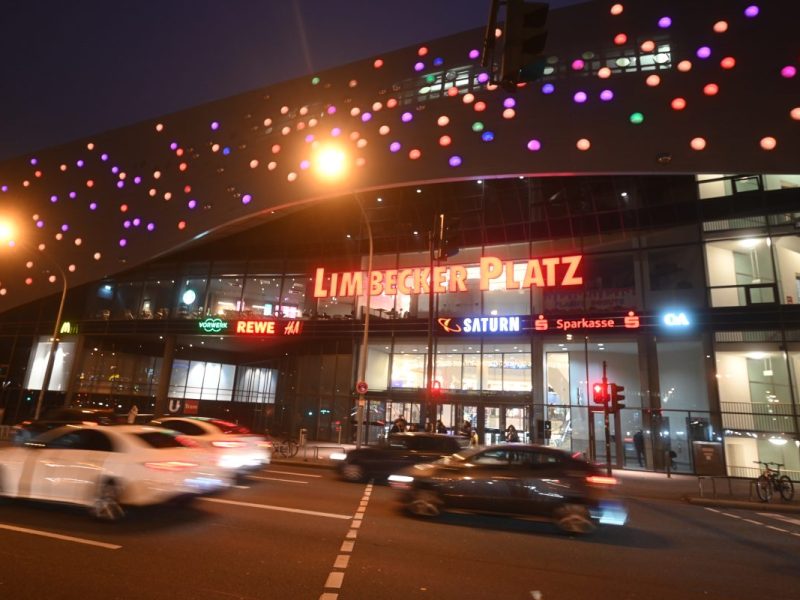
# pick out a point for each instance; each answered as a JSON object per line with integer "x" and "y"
{"x": 302, "y": 441}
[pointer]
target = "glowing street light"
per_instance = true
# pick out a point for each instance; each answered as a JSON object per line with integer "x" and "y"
{"x": 330, "y": 162}
{"x": 7, "y": 237}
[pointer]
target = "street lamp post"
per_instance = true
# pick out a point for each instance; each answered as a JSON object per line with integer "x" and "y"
{"x": 362, "y": 358}
{"x": 53, "y": 342}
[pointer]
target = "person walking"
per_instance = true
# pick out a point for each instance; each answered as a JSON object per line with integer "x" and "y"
{"x": 638, "y": 444}
{"x": 132, "y": 414}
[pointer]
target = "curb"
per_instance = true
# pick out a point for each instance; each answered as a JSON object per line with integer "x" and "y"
{"x": 759, "y": 506}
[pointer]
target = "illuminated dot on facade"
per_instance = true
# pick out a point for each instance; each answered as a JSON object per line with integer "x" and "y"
{"x": 534, "y": 145}
{"x": 548, "y": 88}
{"x": 123, "y": 242}
{"x": 406, "y": 117}
{"x": 653, "y": 80}
{"x": 97, "y": 256}
{"x": 483, "y": 78}
{"x": 423, "y": 51}
{"x": 253, "y": 163}
{"x": 454, "y": 161}
{"x": 711, "y": 89}
{"x": 720, "y": 27}
{"x": 414, "y": 154}
{"x": 678, "y": 104}
{"x": 606, "y": 95}
{"x": 620, "y": 39}
{"x": 28, "y": 281}
{"x": 445, "y": 140}
{"x": 159, "y": 127}
{"x": 665, "y": 22}
{"x": 617, "y": 9}
{"x": 473, "y": 54}
{"x": 378, "y": 63}
{"x": 394, "y": 147}
{"x": 703, "y": 52}
{"x": 751, "y": 11}
{"x": 479, "y": 106}
{"x": 698, "y": 144}
{"x": 637, "y": 118}
{"x": 648, "y": 46}
{"x": 583, "y": 144}
{"x": 443, "y": 121}
{"x": 123, "y": 208}
{"x": 419, "y": 66}
{"x": 684, "y": 66}
{"x": 579, "y": 97}
{"x": 181, "y": 224}
{"x": 795, "y": 113}
{"x": 246, "y": 199}
{"x": 452, "y": 91}
{"x": 487, "y": 136}
{"x": 788, "y": 72}
{"x": 768, "y": 143}
{"x": 728, "y": 62}
{"x": 604, "y": 73}
{"x": 390, "y": 103}
{"x": 71, "y": 268}
{"x": 468, "y": 98}
{"x": 384, "y": 130}
{"x": 578, "y": 64}
{"x": 291, "y": 177}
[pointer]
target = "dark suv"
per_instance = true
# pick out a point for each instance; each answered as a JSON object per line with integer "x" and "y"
{"x": 56, "y": 417}
{"x": 399, "y": 450}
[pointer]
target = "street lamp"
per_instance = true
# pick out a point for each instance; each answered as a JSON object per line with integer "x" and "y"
{"x": 330, "y": 163}
{"x": 6, "y": 236}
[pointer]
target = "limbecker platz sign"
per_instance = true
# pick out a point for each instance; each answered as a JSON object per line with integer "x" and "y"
{"x": 557, "y": 271}
{"x": 455, "y": 325}
{"x": 256, "y": 327}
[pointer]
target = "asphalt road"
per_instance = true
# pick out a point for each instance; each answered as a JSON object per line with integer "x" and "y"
{"x": 298, "y": 532}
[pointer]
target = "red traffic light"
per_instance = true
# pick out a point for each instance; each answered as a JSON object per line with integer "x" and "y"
{"x": 600, "y": 393}
{"x": 436, "y": 389}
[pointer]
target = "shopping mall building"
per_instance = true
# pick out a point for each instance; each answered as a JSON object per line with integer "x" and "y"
{"x": 633, "y": 212}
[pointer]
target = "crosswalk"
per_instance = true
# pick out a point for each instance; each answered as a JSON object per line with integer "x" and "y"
{"x": 777, "y": 522}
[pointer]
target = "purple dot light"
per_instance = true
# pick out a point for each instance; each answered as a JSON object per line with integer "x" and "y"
{"x": 151, "y": 226}
{"x": 4, "y": 188}
{"x": 309, "y": 138}
{"x": 192, "y": 204}
{"x": 394, "y": 147}
{"x": 606, "y": 95}
{"x": 509, "y": 103}
{"x": 751, "y": 11}
{"x": 80, "y": 163}
{"x": 419, "y": 66}
{"x": 123, "y": 242}
{"x": 703, "y": 52}
{"x": 548, "y": 88}
{"x": 104, "y": 157}
{"x": 305, "y": 164}
{"x": 455, "y": 161}
{"x": 126, "y": 224}
{"x": 534, "y": 145}
{"x": 73, "y": 195}
{"x": 579, "y": 97}
{"x": 483, "y": 78}
{"x": 120, "y": 184}
{"x": 173, "y": 146}
{"x": 53, "y": 198}
{"x": 39, "y": 223}
{"x": 65, "y": 228}
{"x": 93, "y": 206}
{"x": 366, "y": 117}
{"x": 34, "y": 162}
{"x": 578, "y": 64}
{"x": 407, "y": 116}
{"x": 788, "y": 71}
{"x": 473, "y": 54}
{"x": 246, "y": 199}
{"x": 214, "y": 125}
{"x": 665, "y": 22}
{"x": 137, "y": 221}
{"x": 336, "y": 132}
{"x": 331, "y": 110}
{"x": 438, "y": 61}
{"x": 137, "y": 180}
{"x": 115, "y": 169}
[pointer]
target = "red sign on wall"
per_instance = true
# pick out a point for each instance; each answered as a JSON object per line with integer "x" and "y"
{"x": 191, "y": 407}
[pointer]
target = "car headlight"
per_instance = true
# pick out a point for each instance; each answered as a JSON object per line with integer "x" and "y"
{"x": 400, "y": 479}
{"x": 338, "y": 456}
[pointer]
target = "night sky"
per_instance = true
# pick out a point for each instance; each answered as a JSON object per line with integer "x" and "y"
{"x": 71, "y": 69}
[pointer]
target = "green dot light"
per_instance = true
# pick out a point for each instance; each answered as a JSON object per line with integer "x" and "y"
{"x": 637, "y": 118}
{"x": 477, "y": 126}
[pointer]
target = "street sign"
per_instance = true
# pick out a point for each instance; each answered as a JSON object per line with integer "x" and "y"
{"x": 361, "y": 387}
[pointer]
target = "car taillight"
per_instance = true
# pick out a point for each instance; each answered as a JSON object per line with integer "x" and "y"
{"x": 170, "y": 465}
{"x": 228, "y": 444}
{"x": 185, "y": 440}
{"x": 601, "y": 480}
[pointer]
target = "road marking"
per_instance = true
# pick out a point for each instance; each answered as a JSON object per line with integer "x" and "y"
{"x": 752, "y": 521}
{"x": 335, "y": 578}
{"x": 242, "y": 487}
{"x": 291, "y": 473}
{"x": 777, "y": 528}
{"x": 58, "y": 536}
{"x": 299, "y": 511}
{"x": 783, "y": 518}
{"x": 277, "y": 479}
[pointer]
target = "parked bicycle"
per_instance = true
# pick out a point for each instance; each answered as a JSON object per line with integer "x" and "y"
{"x": 771, "y": 481}
{"x": 286, "y": 448}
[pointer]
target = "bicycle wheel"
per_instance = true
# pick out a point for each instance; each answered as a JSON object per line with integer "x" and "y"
{"x": 764, "y": 488}
{"x": 786, "y": 487}
{"x": 292, "y": 448}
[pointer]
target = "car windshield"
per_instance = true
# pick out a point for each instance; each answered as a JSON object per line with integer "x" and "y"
{"x": 227, "y": 427}
{"x": 159, "y": 439}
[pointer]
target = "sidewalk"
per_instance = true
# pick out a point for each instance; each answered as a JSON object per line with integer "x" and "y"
{"x": 633, "y": 484}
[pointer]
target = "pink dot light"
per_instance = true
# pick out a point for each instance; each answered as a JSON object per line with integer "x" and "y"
{"x": 578, "y": 64}
{"x": 583, "y": 144}
{"x": 698, "y": 144}
{"x": 534, "y": 145}
{"x": 768, "y": 143}
{"x": 788, "y": 71}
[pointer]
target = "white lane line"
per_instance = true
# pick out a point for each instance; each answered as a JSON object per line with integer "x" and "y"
{"x": 777, "y": 529}
{"x": 58, "y": 536}
{"x": 783, "y": 518}
{"x": 731, "y": 516}
{"x": 291, "y": 473}
{"x": 712, "y": 509}
{"x": 342, "y": 561}
{"x": 347, "y": 546}
{"x": 278, "y": 479}
{"x": 752, "y": 522}
{"x": 329, "y": 596}
{"x": 334, "y": 579}
{"x": 298, "y": 511}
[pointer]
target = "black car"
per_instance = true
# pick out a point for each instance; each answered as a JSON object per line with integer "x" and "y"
{"x": 520, "y": 480}
{"x": 56, "y": 417}
{"x": 398, "y": 450}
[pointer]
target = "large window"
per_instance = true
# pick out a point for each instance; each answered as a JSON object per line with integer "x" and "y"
{"x": 740, "y": 272}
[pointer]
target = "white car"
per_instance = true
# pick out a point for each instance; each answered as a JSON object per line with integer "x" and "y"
{"x": 236, "y": 447}
{"x": 106, "y": 468}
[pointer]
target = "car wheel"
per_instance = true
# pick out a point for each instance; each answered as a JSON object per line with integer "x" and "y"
{"x": 352, "y": 472}
{"x": 425, "y": 503}
{"x": 574, "y": 518}
{"x": 106, "y": 506}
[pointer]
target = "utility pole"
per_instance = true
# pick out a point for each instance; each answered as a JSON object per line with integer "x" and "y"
{"x": 606, "y": 423}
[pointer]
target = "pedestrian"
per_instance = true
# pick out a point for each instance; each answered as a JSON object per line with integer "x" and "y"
{"x": 132, "y": 413}
{"x": 441, "y": 427}
{"x": 511, "y": 434}
{"x": 638, "y": 444}
{"x": 473, "y": 438}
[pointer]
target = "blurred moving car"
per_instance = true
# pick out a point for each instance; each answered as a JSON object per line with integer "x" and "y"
{"x": 58, "y": 417}
{"x": 236, "y": 448}
{"x": 521, "y": 480}
{"x": 398, "y": 450}
{"x": 108, "y": 468}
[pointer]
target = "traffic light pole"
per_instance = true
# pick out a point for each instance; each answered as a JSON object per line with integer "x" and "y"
{"x": 606, "y": 423}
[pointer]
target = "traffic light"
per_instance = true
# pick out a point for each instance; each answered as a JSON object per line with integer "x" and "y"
{"x": 600, "y": 393}
{"x": 617, "y": 396}
{"x": 436, "y": 391}
{"x": 526, "y": 35}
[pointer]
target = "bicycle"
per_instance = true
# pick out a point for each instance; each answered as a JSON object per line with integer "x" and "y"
{"x": 286, "y": 448}
{"x": 771, "y": 481}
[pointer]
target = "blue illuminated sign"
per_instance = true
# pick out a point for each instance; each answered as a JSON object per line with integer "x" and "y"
{"x": 675, "y": 319}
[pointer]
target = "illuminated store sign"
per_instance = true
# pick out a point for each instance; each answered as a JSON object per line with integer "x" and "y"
{"x": 558, "y": 271}
{"x": 261, "y": 327}
{"x": 672, "y": 319}
{"x": 517, "y": 324}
